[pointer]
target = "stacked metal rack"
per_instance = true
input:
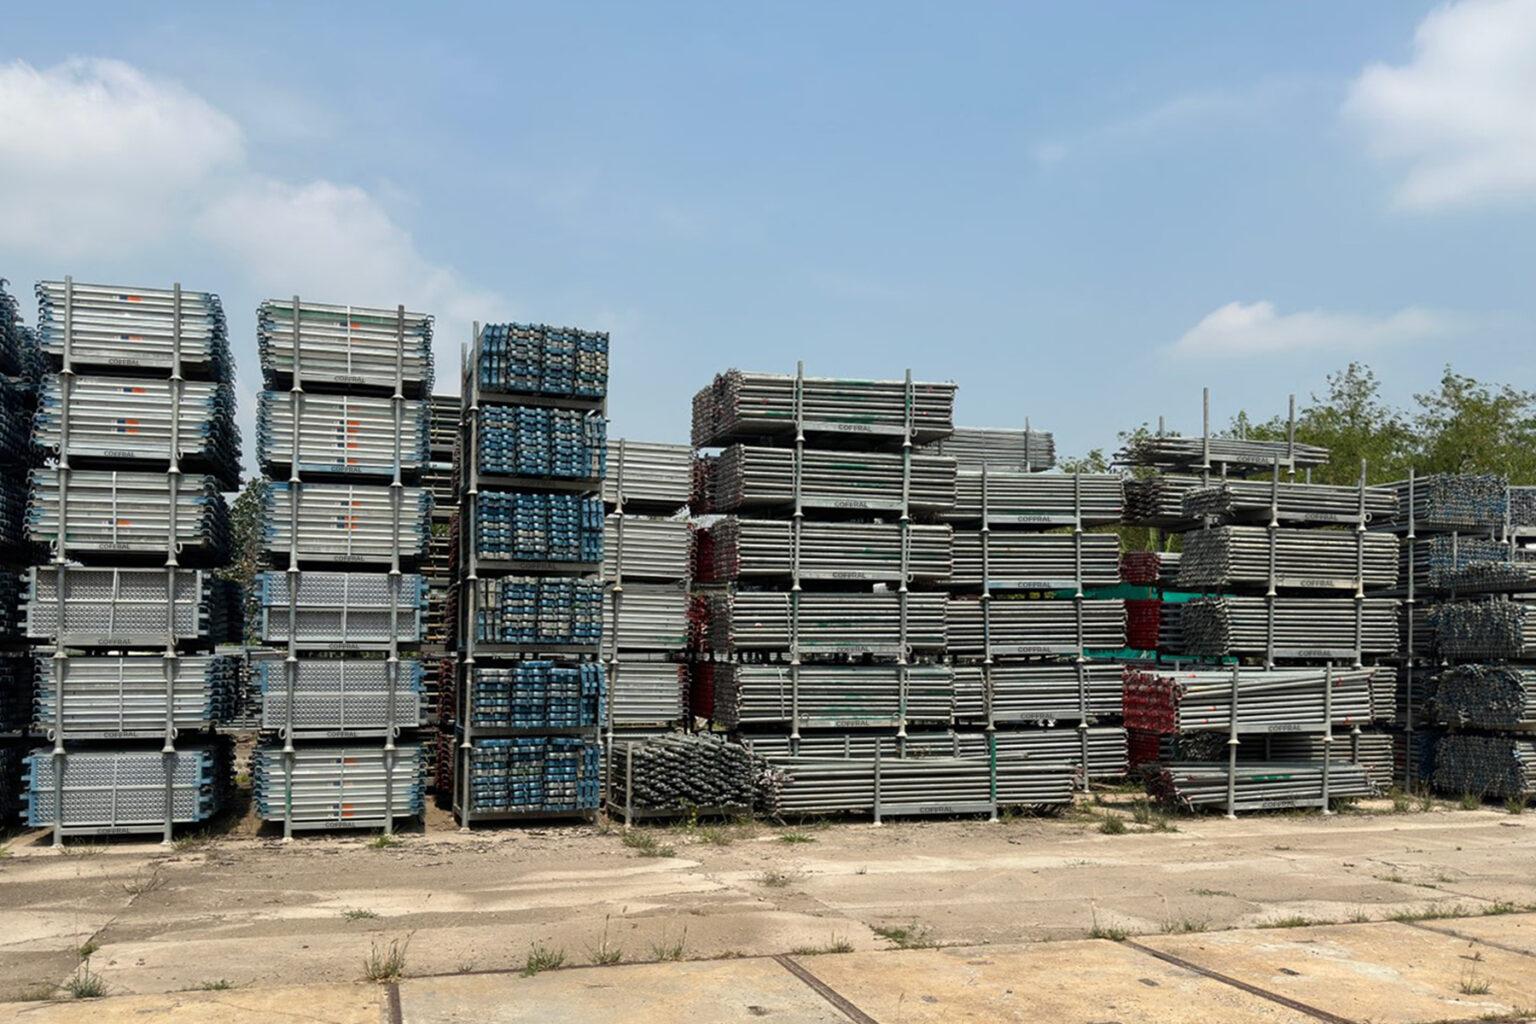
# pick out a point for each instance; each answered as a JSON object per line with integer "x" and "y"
{"x": 438, "y": 479}
{"x": 340, "y": 685}
{"x": 19, "y": 359}
{"x": 532, "y": 457}
{"x": 138, "y": 393}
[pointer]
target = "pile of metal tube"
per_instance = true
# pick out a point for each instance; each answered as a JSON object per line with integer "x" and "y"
{"x": 1035, "y": 560}
{"x": 1027, "y": 451}
{"x": 1164, "y": 700}
{"x": 346, "y": 345}
{"x": 832, "y": 695}
{"x": 346, "y": 522}
{"x": 1502, "y": 767}
{"x": 1258, "y": 785}
{"x": 1289, "y": 626}
{"x": 112, "y": 513}
{"x": 1258, "y": 500}
{"x": 1313, "y": 559}
{"x": 1034, "y": 627}
{"x": 1037, "y": 499}
{"x": 746, "y": 477}
{"x": 1484, "y": 696}
{"x": 763, "y": 549}
{"x": 745, "y": 404}
{"x": 851, "y": 622}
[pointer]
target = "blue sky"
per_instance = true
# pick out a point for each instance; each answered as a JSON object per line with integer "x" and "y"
{"x": 1081, "y": 213}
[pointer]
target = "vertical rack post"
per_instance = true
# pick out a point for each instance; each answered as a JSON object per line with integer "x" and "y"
{"x": 469, "y": 557}
{"x": 1232, "y": 745}
{"x": 1270, "y": 591}
{"x": 396, "y": 494}
{"x": 291, "y": 576}
{"x": 1080, "y": 661}
{"x": 169, "y": 663}
{"x": 1327, "y": 733}
{"x": 60, "y": 561}
{"x": 617, "y": 592}
{"x": 1408, "y": 651}
{"x": 903, "y": 654}
{"x": 989, "y": 704}
{"x": 796, "y": 521}
{"x": 1290, "y": 440}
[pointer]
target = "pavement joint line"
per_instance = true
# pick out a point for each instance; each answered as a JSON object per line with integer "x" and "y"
{"x": 1274, "y": 997}
{"x": 824, "y": 990}
{"x": 1453, "y": 933}
{"x": 392, "y": 1011}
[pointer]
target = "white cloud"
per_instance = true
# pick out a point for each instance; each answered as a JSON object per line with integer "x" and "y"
{"x": 1257, "y": 328}
{"x": 1461, "y": 115}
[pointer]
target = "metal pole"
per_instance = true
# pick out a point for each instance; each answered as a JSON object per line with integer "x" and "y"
{"x": 169, "y": 663}
{"x": 61, "y": 559}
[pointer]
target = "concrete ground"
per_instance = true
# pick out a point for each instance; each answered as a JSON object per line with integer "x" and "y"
{"x": 1420, "y": 915}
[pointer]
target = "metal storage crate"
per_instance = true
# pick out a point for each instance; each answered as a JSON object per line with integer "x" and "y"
{"x": 532, "y": 775}
{"x": 339, "y": 696}
{"x": 644, "y": 547}
{"x": 539, "y": 527}
{"x": 347, "y": 522}
{"x": 538, "y": 695}
{"x": 538, "y": 359}
{"x": 832, "y": 695}
{"x": 337, "y": 785}
{"x": 650, "y": 617}
{"x": 537, "y": 610}
{"x": 648, "y": 474}
{"x": 113, "y": 513}
{"x": 853, "y": 552}
{"x": 340, "y": 434}
{"x": 125, "y": 327}
{"x": 646, "y": 693}
{"x": 1037, "y": 499}
{"x": 1035, "y": 561}
{"x": 745, "y": 477}
{"x": 346, "y": 608}
{"x": 345, "y": 345}
{"x": 829, "y": 623}
{"x": 740, "y": 405}
{"x": 116, "y": 696}
{"x": 129, "y": 607}
{"x": 110, "y": 791}
{"x": 538, "y": 442}
{"x": 1034, "y": 627}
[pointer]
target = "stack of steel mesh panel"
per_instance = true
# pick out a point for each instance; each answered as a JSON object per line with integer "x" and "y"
{"x": 340, "y": 434}
{"x": 533, "y": 775}
{"x": 1171, "y": 452}
{"x": 747, "y": 477}
{"x": 652, "y": 617}
{"x": 1259, "y": 785}
{"x": 851, "y": 622}
{"x": 1502, "y": 767}
{"x": 1027, "y": 451}
{"x": 1450, "y": 501}
{"x": 1301, "y": 627}
{"x": 651, "y": 475}
{"x": 1035, "y": 627}
{"x": 1031, "y": 561}
{"x": 535, "y": 610}
{"x": 764, "y": 549}
{"x": 1158, "y": 500}
{"x": 647, "y": 547}
{"x": 130, "y": 607}
{"x": 1255, "y": 500}
{"x": 339, "y": 695}
{"x": 525, "y": 441}
{"x": 347, "y": 522}
{"x": 1497, "y": 628}
{"x": 338, "y": 785}
{"x": 542, "y": 360}
{"x": 128, "y": 419}
{"x": 740, "y": 405}
{"x": 525, "y": 527}
{"x": 345, "y": 345}
{"x": 832, "y": 695}
{"x": 1163, "y": 700}
{"x": 341, "y": 608}
{"x": 131, "y": 328}
{"x": 685, "y": 773}
{"x": 1037, "y": 499}
{"x": 1433, "y": 560}
{"x": 118, "y": 513}
{"x": 125, "y": 790}
{"x": 538, "y": 695}
{"x": 647, "y": 693}
{"x": 1303, "y": 559}
{"x": 1484, "y": 696}
{"x": 112, "y": 696}
{"x": 1038, "y": 692}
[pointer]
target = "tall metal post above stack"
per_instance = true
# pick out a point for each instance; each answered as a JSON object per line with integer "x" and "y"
{"x": 137, "y": 414}
{"x": 341, "y": 429}
{"x": 530, "y": 690}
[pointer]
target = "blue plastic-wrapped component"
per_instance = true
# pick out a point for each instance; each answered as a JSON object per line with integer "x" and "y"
{"x": 535, "y": 442}
{"x": 539, "y": 695}
{"x": 539, "y": 527}
{"x": 531, "y": 610}
{"x": 533, "y": 775}
{"x": 543, "y": 360}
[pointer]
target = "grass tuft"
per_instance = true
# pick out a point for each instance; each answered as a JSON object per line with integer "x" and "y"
{"x": 777, "y": 878}
{"x": 667, "y": 950}
{"x": 1112, "y": 826}
{"x": 837, "y": 944}
{"x": 795, "y": 837}
{"x": 1291, "y": 921}
{"x": 1515, "y": 805}
{"x": 142, "y": 883}
{"x": 1471, "y": 801}
{"x": 386, "y": 963}
{"x": 542, "y": 958}
{"x": 646, "y": 845}
{"x": 908, "y": 936}
{"x": 85, "y": 983}
{"x": 217, "y": 985}
{"x": 605, "y": 955}
{"x": 358, "y": 914}
{"x": 384, "y": 841}
{"x": 1185, "y": 926}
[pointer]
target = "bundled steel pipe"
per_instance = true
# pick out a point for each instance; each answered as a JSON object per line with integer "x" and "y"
{"x": 1043, "y": 499}
{"x": 1059, "y": 749}
{"x": 1034, "y": 627}
{"x": 649, "y": 617}
{"x": 1372, "y": 751}
{"x": 1522, "y": 506}
{"x": 339, "y": 695}
{"x": 346, "y": 522}
{"x": 1158, "y": 500}
{"x": 646, "y": 547}
{"x": 351, "y": 345}
{"x": 813, "y": 785}
{"x": 1256, "y": 500}
{"x": 1164, "y": 700}
{"x": 764, "y": 549}
{"x": 130, "y": 607}
{"x": 1260, "y": 785}
{"x": 1150, "y": 568}
{"x": 646, "y": 692}
{"x": 648, "y": 474}
{"x": 109, "y": 696}
{"x": 869, "y": 622}
{"x": 1450, "y": 501}
{"x": 740, "y": 405}
{"x": 1494, "y": 577}
{"x": 542, "y": 360}
{"x": 1171, "y": 452}
{"x": 523, "y": 526}
{"x": 117, "y": 790}
{"x": 340, "y": 434}
{"x": 19, "y": 352}
{"x": 1303, "y": 627}
{"x": 1435, "y": 560}
{"x": 120, "y": 327}
{"x": 1496, "y": 628}
{"x": 1484, "y": 696}
{"x": 1502, "y": 767}
{"x": 113, "y": 513}
{"x": 1027, "y": 451}
{"x": 832, "y": 695}
{"x": 338, "y": 785}
{"x": 129, "y": 418}
{"x": 526, "y": 441}
{"x": 533, "y": 775}
{"x": 683, "y": 773}
{"x": 1035, "y": 560}
{"x": 747, "y": 477}
{"x": 1038, "y": 691}
{"x": 539, "y": 610}
{"x": 341, "y": 607}
{"x": 1291, "y": 559}
{"x": 538, "y": 695}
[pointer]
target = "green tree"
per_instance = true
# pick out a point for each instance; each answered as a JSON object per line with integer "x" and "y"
{"x": 247, "y": 540}
{"x": 1469, "y": 427}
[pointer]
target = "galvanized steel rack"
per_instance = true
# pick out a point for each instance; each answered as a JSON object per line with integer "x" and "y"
{"x": 532, "y": 458}
{"x": 340, "y": 611}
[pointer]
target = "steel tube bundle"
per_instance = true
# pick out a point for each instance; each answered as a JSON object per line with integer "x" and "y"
{"x": 1473, "y": 630}
{"x": 764, "y": 549}
{"x": 1038, "y": 691}
{"x": 128, "y": 607}
{"x": 126, "y": 789}
{"x": 1149, "y": 568}
{"x": 868, "y": 622}
{"x": 1301, "y": 559}
{"x": 832, "y": 695}
{"x": 1172, "y": 452}
{"x": 1451, "y": 501}
{"x": 1060, "y": 749}
{"x": 1304, "y": 627}
{"x": 112, "y": 512}
{"x": 1031, "y": 561}
{"x": 1260, "y": 785}
{"x": 18, "y": 347}
{"x": 652, "y": 548}
{"x": 1034, "y": 627}
{"x": 1372, "y": 751}
{"x": 338, "y": 785}
{"x": 112, "y": 696}
{"x": 651, "y": 617}
{"x": 812, "y": 785}
{"x": 747, "y": 477}
{"x": 339, "y": 695}
{"x": 538, "y": 695}
{"x": 1164, "y": 700}
{"x": 533, "y": 775}
{"x": 120, "y": 327}
{"x": 523, "y": 526}
{"x": 1494, "y": 577}
{"x": 646, "y": 692}
{"x": 338, "y": 607}
{"x": 1522, "y": 506}
{"x": 531, "y": 441}
{"x": 129, "y": 418}
{"x": 340, "y": 434}
{"x": 1435, "y": 560}
{"x": 684, "y": 773}
{"x": 1158, "y": 500}
{"x": 539, "y": 359}
{"x": 345, "y": 345}
{"x": 539, "y": 610}
{"x": 1027, "y": 451}
{"x": 1255, "y": 500}
{"x": 740, "y": 406}
{"x": 1484, "y": 696}
{"x": 1502, "y": 767}
{"x": 1038, "y": 499}
{"x": 347, "y": 522}
{"x": 651, "y": 475}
